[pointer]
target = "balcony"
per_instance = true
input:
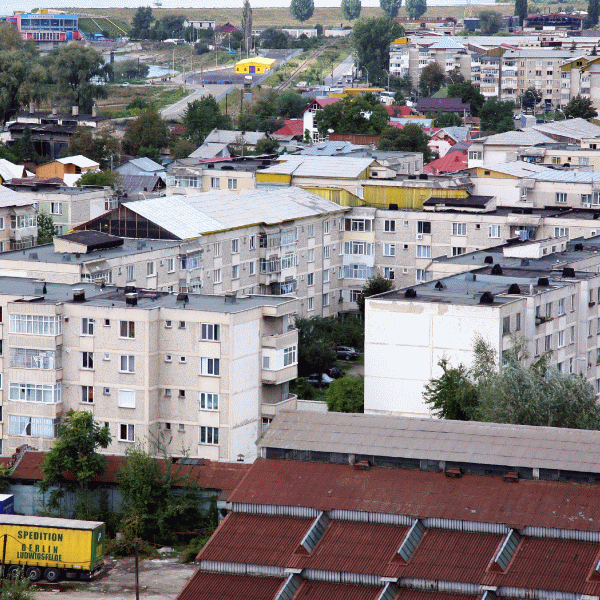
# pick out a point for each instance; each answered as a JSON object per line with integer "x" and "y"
{"x": 279, "y": 376}
{"x": 283, "y": 340}
{"x": 269, "y": 409}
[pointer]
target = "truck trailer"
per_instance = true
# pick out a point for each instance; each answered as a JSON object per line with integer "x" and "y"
{"x": 51, "y": 549}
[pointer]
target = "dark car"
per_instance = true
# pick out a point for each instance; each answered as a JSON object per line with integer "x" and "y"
{"x": 347, "y": 353}
{"x": 334, "y": 372}
{"x": 320, "y": 380}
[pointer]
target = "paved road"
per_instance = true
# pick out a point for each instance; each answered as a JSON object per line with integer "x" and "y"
{"x": 175, "y": 111}
{"x": 338, "y": 71}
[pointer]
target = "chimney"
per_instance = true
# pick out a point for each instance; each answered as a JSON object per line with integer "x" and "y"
{"x": 230, "y": 297}
{"x": 54, "y": 110}
{"x": 131, "y": 299}
{"x": 94, "y": 111}
{"x": 31, "y": 108}
{"x": 75, "y": 111}
{"x": 78, "y": 295}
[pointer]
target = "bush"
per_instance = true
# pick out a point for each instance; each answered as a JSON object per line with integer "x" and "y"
{"x": 138, "y": 103}
{"x": 303, "y": 389}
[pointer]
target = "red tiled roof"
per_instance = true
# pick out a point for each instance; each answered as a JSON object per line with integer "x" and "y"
{"x": 433, "y": 595}
{"x": 399, "y": 111}
{"x": 313, "y": 590}
{"x": 213, "y": 586}
{"x": 291, "y": 127}
{"x": 256, "y": 539}
{"x": 419, "y": 493}
{"x": 321, "y": 103}
{"x": 451, "y": 163}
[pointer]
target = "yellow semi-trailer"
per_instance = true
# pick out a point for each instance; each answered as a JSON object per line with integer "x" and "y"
{"x": 48, "y": 548}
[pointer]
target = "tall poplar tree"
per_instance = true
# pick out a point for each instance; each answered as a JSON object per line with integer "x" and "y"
{"x": 521, "y": 10}
{"x": 247, "y": 25}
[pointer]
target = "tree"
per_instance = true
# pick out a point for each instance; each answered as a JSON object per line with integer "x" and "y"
{"x": 452, "y": 395}
{"x": 353, "y": 114}
{"x": 202, "y": 116}
{"x": 346, "y": 394}
{"x": 273, "y": 38}
{"x": 415, "y": 8}
{"x": 468, "y": 93}
{"x": 73, "y": 459}
{"x": 593, "y": 14}
{"x": 302, "y": 10}
{"x": 371, "y": 39}
{"x": 149, "y": 130}
{"x": 247, "y": 25}
{"x": 390, "y": 7}
{"x": 351, "y": 9}
{"x": 375, "y": 285}
{"x": 447, "y": 119}
{"x": 102, "y": 178}
{"x": 521, "y": 10}
{"x": 411, "y": 138}
{"x": 531, "y": 98}
{"x": 432, "y": 79}
{"x": 142, "y": 20}
{"x": 490, "y": 21}
{"x": 497, "y": 115}
{"x": 46, "y": 230}
{"x": 403, "y": 84}
{"x": 130, "y": 69}
{"x": 316, "y": 347}
{"x": 580, "y": 107}
{"x": 10, "y": 38}
{"x": 266, "y": 146}
{"x": 99, "y": 147}
{"x": 290, "y": 104}
{"x": 16, "y": 589}
{"x": 76, "y": 70}
{"x": 182, "y": 149}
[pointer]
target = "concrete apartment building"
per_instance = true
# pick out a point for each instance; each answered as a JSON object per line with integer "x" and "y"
{"x": 196, "y": 369}
{"x": 18, "y": 220}
{"x": 546, "y": 291}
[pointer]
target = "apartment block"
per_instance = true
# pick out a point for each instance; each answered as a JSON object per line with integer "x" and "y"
{"x": 18, "y": 220}
{"x": 546, "y": 292}
{"x": 193, "y": 369}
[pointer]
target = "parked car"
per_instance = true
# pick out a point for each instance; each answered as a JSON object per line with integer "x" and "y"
{"x": 347, "y": 353}
{"x": 322, "y": 380}
{"x": 334, "y": 372}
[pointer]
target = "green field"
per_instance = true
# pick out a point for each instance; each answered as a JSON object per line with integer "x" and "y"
{"x": 114, "y": 27}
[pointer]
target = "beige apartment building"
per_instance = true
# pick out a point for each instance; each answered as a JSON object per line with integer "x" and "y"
{"x": 196, "y": 370}
{"x": 18, "y": 220}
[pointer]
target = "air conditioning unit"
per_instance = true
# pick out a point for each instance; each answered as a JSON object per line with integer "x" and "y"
{"x": 419, "y": 236}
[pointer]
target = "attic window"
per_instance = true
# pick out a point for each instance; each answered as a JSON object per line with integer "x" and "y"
{"x": 507, "y": 551}
{"x": 411, "y": 541}
{"x": 486, "y": 172}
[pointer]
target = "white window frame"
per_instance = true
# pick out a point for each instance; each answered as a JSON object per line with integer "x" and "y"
{"x": 209, "y": 401}
{"x": 210, "y": 367}
{"x": 126, "y": 432}
{"x": 126, "y": 398}
{"x": 126, "y": 363}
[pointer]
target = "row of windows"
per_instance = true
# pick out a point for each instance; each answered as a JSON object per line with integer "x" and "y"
{"x": 36, "y": 324}
{"x": 209, "y": 331}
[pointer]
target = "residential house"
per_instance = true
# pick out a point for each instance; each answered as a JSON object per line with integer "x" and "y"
{"x": 141, "y": 166}
{"x": 138, "y": 187}
{"x": 451, "y": 105}
{"x": 221, "y": 143}
{"x": 309, "y": 117}
{"x": 69, "y": 169}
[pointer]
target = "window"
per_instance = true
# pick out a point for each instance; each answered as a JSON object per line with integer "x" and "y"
{"x": 423, "y": 227}
{"x": 389, "y": 225}
{"x": 326, "y": 276}
{"x": 87, "y": 360}
{"x": 215, "y": 183}
{"x": 561, "y": 306}
{"x": 55, "y": 208}
{"x": 150, "y": 268}
{"x": 357, "y": 247}
{"x": 572, "y": 334}
{"x": 572, "y": 302}
{"x": 209, "y": 366}
{"x": 548, "y": 310}
{"x": 326, "y": 251}
{"x": 325, "y": 299}
{"x": 423, "y": 251}
{"x": 168, "y": 358}
{"x": 494, "y": 231}
{"x": 181, "y": 324}
{"x": 23, "y": 221}
{"x": 217, "y": 276}
{"x": 310, "y": 279}
{"x": 459, "y": 229}
{"x": 168, "y": 392}
{"x": 127, "y": 329}
{"x": 420, "y": 275}
{"x": 217, "y": 248}
{"x": 506, "y": 325}
{"x": 181, "y": 427}
{"x": 561, "y": 338}
{"x": 548, "y": 343}
{"x": 35, "y": 392}
{"x": 126, "y": 398}
{"x": 536, "y": 347}
{"x": 458, "y": 250}
{"x": 1, "y": 222}
{"x": 31, "y": 426}
{"x": 358, "y": 225}
{"x": 170, "y": 265}
{"x": 36, "y": 324}
{"x": 127, "y": 363}
{"x": 210, "y": 332}
{"x": 209, "y": 435}
{"x": 168, "y": 324}
{"x": 87, "y": 393}
{"x": 388, "y": 272}
{"x": 235, "y": 246}
{"x": 87, "y": 326}
{"x": 232, "y": 184}
{"x": 126, "y": 432}
{"x": 252, "y": 267}
{"x": 325, "y": 226}
{"x": 310, "y": 255}
{"x": 518, "y": 322}
{"x": 389, "y": 249}
{"x": 252, "y": 242}
{"x": 106, "y": 391}
{"x": 235, "y": 272}
{"x": 209, "y": 401}
{"x": 561, "y": 231}
{"x": 290, "y": 356}
{"x": 561, "y": 197}
{"x": 27, "y": 358}
{"x": 129, "y": 274}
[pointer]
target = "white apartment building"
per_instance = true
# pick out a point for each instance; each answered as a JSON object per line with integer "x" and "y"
{"x": 196, "y": 370}
{"x": 545, "y": 291}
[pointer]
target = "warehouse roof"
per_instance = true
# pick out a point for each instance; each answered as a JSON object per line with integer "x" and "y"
{"x": 578, "y": 129}
{"x": 339, "y": 167}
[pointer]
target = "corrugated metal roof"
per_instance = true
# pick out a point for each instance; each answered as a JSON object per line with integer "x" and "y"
{"x": 517, "y": 138}
{"x": 437, "y": 439}
{"x": 517, "y": 168}
{"x": 79, "y": 161}
{"x": 447, "y": 44}
{"x": 341, "y": 167}
{"x": 317, "y": 590}
{"x": 146, "y": 164}
{"x": 421, "y": 494}
{"x": 571, "y": 128}
{"x": 216, "y": 586}
{"x": 256, "y": 539}
{"x": 329, "y": 149}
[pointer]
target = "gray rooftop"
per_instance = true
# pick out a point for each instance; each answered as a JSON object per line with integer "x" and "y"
{"x": 530, "y": 137}
{"x": 436, "y": 439}
{"x": 571, "y": 128}
{"x": 9, "y": 197}
{"x": 320, "y": 166}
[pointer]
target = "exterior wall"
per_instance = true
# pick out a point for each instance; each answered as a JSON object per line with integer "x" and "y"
{"x": 52, "y": 169}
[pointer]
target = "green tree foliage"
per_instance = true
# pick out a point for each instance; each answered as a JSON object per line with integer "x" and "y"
{"x": 390, "y": 7}
{"x": 497, "y": 115}
{"x": 415, "y": 8}
{"x": 182, "y": 148}
{"x": 346, "y": 394}
{"x": 147, "y": 481}
{"x": 593, "y": 13}
{"x": 74, "y": 70}
{"x": 490, "y": 21}
{"x": 16, "y": 589}
{"x": 142, "y": 21}
{"x": 130, "y": 69}
{"x": 521, "y": 10}
{"x": 371, "y": 39}
{"x": 264, "y": 113}
{"x": 266, "y": 146}
{"x": 375, "y": 285}
{"x": 432, "y": 79}
{"x": 452, "y": 395}
{"x": 351, "y": 9}
{"x": 580, "y": 107}
{"x": 403, "y": 84}
{"x": 73, "y": 459}
{"x": 149, "y": 130}
{"x": 201, "y": 117}
{"x": 273, "y": 38}
{"x": 353, "y": 114}
{"x": 468, "y": 93}
{"x": 290, "y": 104}
{"x": 103, "y": 178}
{"x": 446, "y": 119}
{"x": 531, "y": 98}
{"x": 247, "y": 26}
{"x": 302, "y": 10}
{"x": 26, "y": 149}
{"x": 99, "y": 147}
{"x": 10, "y": 38}
{"x": 411, "y": 138}
{"x": 46, "y": 232}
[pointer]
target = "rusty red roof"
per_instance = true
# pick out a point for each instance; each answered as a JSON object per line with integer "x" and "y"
{"x": 313, "y": 590}
{"x": 213, "y": 586}
{"x": 421, "y": 494}
{"x": 256, "y": 539}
